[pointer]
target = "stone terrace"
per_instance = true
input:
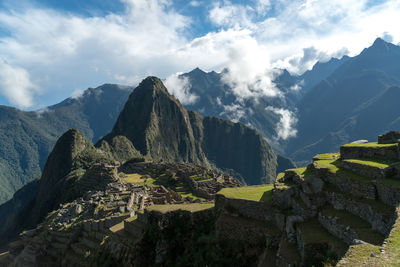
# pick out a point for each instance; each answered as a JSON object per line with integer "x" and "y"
{"x": 342, "y": 207}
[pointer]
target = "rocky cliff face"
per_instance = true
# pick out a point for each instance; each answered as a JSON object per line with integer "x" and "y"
{"x": 160, "y": 128}
{"x": 157, "y": 124}
{"x": 235, "y": 146}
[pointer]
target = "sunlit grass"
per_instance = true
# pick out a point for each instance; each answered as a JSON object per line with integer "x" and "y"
{"x": 371, "y": 144}
{"x": 372, "y": 162}
{"x": 327, "y": 156}
{"x": 193, "y": 207}
{"x": 256, "y": 192}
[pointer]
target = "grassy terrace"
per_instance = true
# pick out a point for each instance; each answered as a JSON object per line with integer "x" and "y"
{"x": 313, "y": 232}
{"x": 280, "y": 176}
{"x": 281, "y": 185}
{"x": 327, "y": 156}
{"x": 302, "y": 172}
{"x": 373, "y": 162}
{"x": 193, "y": 207}
{"x": 376, "y": 205}
{"x": 392, "y": 249}
{"x": 180, "y": 187}
{"x": 334, "y": 166}
{"x": 201, "y": 178}
{"x": 362, "y": 228}
{"x": 255, "y": 192}
{"x": 360, "y": 255}
{"x": 372, "y": 144}
{"x": 135, "y": 178}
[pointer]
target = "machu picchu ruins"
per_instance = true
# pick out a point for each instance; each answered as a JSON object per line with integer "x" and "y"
{"x": 342, "y": 210}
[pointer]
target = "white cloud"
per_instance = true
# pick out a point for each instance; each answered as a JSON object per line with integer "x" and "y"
{"x": 297, "y": 87}
{"x": 387, "y": 37}
{"x": 287, "y": 123}
{"x": 58, "y": 51}
{"x": 63, "y": 51}
{"x": 39, "y": 113}
{"x": 180, "y": 87}
{"x": 77, "y": 93}
{"x": 16, "y": 85}
{"x": 299, "y": 63}
{"x": 231, "y": 15}
{"x": 233, "y": 112}
{"x": 249, "y": 72}
{"x": 195, "y": 3}
{"x": 262, "y": 6}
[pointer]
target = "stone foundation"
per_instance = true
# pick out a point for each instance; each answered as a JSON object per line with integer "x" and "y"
{"x": 362, "y": 152}
{"x": 366, "y": 170}
{"x": 357, "y": 188}
{"x": 246, "y": 208}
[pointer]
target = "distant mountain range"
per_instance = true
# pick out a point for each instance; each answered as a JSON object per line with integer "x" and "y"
{"x": 216, "y": 98}
{"x": 26, "y": 138}
{"x": 359, "y": 100}
{"x": 340, "y": 101}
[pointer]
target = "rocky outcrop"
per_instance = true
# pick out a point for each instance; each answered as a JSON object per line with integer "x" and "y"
{"x": 157, "y": 125}
{"x": 160, "y": 128}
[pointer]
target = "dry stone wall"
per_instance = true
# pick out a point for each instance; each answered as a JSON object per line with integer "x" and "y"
{"x": 360, "y": 152}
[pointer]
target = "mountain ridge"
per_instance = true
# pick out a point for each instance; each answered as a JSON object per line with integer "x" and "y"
{"x": 338, "y": 102}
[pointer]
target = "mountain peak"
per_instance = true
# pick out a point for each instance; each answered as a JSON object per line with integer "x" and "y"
{"x": 148, "y": 108}
{"x": 379, "y": 41}
{"x": 152, "y": 83}
{"x": 197, "y": 70}
{"x": 380, "y": 45}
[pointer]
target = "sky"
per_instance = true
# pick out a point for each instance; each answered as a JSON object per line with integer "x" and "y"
{"x": 51, "y": 50}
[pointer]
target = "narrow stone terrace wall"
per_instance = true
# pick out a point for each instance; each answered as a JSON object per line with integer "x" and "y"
{"x": 246, "y": 208}
{"x": 359, "y": 152}
{"x": 379, "y": 222}
{"x": 365, "y": 170}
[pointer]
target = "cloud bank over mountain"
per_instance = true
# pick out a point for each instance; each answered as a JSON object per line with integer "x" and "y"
{"x": 52, "y": 53}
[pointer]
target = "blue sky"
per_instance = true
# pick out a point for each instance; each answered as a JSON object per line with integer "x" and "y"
{"x": 50, "y": 50}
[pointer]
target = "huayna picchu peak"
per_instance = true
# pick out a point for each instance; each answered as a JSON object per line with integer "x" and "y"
{"x": 160, "y": 128}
